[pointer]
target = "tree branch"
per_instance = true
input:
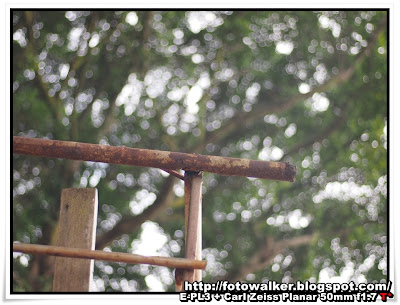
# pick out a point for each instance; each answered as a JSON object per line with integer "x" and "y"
{"x": 340, "y": 120}
{"x": 265, "y": 255}
{"x": 30, "y": 53}
{"x": 262, "y": 109}
{"x": 130, "y": 224}
{"x": 139, "y": 67}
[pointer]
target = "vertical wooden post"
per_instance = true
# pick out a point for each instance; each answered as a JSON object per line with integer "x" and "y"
{"x": 197, "y": 184}
{"x": 180, "y": 273}
{"x": 193, "y": 236}
{"x": 76, "y": 229}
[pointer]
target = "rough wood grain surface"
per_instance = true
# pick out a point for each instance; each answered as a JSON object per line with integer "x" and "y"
{"x": 154, "y": 158}
{"x": 193, "y": 222}
{"x": 76, "y": 229}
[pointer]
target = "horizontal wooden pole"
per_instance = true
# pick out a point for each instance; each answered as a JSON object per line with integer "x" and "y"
{"x": 110, "y": 256}
{"x": 154, "y": 158}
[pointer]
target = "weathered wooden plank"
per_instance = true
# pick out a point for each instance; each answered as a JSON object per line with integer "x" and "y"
{"x": 180, "y": 273}
{"x": 76, "y": 229}
{"x": 193, "y": 223}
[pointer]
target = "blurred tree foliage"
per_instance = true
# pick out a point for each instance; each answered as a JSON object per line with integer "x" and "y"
{"x": 305, "y": 87}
